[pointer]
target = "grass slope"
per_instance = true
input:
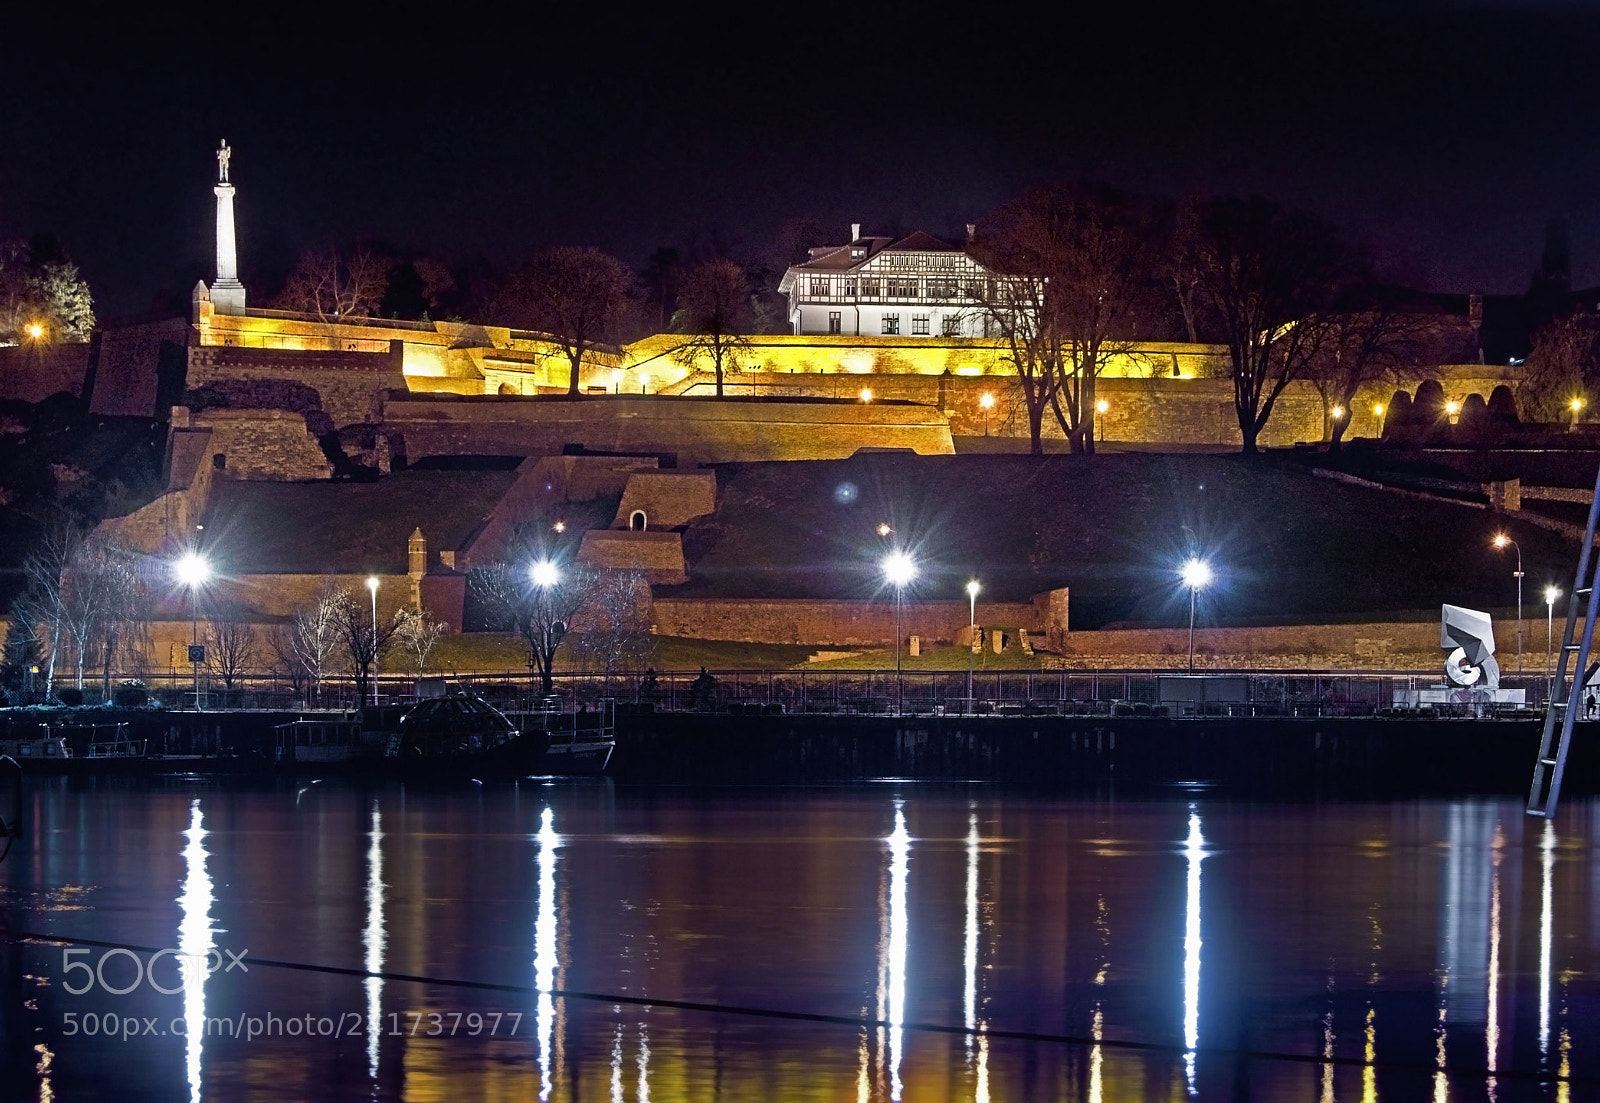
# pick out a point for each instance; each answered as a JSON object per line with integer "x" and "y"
{"x": 1286, "y": 545}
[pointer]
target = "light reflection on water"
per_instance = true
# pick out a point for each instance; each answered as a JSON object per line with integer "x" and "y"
{"x": 1435, "y": 935}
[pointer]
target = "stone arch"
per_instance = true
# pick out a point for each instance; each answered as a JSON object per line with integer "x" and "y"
{"x": 637, "y": 521}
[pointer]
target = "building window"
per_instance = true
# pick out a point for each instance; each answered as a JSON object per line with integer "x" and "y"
{"x": 857, "y": 254}
{"x": 850, "y": 288}
{"x": 835, "y": 321}
{"x": 952, "y": 325}
{"x": 891, "y": 324}
{"x": 869, "y": 288}
{"x": 919, "y": 325}
{"x": 938, "y": 290}
{"x": 819, "y": 287}
{"x": 902, "y": 288}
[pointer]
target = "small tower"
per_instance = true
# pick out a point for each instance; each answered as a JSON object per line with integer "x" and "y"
{"x": 416, "y": 564}
{"x": 227, "y": 293}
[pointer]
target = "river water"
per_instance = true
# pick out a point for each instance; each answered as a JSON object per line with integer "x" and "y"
{"x": 952, "y": 943}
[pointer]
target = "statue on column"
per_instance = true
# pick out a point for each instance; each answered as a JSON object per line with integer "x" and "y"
{"x": 224, "y": 155}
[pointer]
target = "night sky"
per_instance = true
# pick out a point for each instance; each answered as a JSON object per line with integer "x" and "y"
{"x": 1446, "y": 134}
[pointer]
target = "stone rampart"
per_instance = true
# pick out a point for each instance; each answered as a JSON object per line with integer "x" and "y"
{"x": 33, "y": 371}
{"x": 139, "y": 369}
{"x": 330, "y": 389}
{"x": 695, "y": 430}
{"x": 1376, "y": 646}
{"x": 264, "y": 444}
{"x": 820, "y": 623}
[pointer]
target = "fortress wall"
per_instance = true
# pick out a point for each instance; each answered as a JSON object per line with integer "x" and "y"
{"x": 138, "y": 366}
{"x": 820, "y": 623}
{"x": 1379, "y": 646}
{"x": 34, "y": 371}
{"x": 697, "y": 431}
{"x": 265, "y": 444}
{"x": 330, "y": 389}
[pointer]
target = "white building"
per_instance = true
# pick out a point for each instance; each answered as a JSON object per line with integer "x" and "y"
{"x": 918, "y": 286}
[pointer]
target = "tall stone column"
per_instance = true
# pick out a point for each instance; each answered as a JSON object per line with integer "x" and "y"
{"x": 227, "y": 293}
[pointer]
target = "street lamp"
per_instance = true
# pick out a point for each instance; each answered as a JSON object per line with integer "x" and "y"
{"x": 972, "y": 628}
{"x": 866, "y": 394}
{"x": 884, "y": 529}
{"x": 193, "y": 571}
{"x": 372, "y": 588}
{"x": 898, "y": 569}
{"x": 1576, "y": 404}
{"x": 544, "y": 574}
{"x": 1500, "y": 541}
{"x": 1100, "y": 408}
{"x": 1550, "y": 595}
{"x": 986, "y": 401}
{"x": 1196, "y": 574}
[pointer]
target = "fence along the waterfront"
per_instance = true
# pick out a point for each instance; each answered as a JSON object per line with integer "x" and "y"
{"x": 994, "y": 692}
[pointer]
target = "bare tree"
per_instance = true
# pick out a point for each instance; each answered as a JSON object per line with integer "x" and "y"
{"x": 537, "y": 607}
{"x": 314, "y": 634}
{"x": 1368, "y": 341}
{"x": 46, "y": 596}
{"x": 617, "y": 623}
{"x": 1563, "y": 365}
{"x": 575, "y": 295}
{"x": 280, "y": 641}
{"x": 714, "y": 309}
{"x": 1072, "y": 260}
{"x": 231, "y": 645}
{"x": 365, "y": 640}
{"x": 1269, "y": 279}
{"x": 418, "y": 637}
{"x": 97, "y": 592}
{"x": 336, "y": 284}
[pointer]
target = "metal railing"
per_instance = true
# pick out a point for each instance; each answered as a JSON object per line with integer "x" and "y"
{"x": 1265, "y": 693}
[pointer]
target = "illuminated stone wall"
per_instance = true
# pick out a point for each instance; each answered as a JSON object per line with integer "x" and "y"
{"x": 264, "y": 444}
{"x": 694, "y": 430}
{"x": 331, "y": 389}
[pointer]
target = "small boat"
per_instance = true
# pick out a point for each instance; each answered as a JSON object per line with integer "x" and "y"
{"x": 581, "y": 743}
{"x": 321, "y": 741}
{"x": 462, "y": 734}
{"x": 75, "y": 749}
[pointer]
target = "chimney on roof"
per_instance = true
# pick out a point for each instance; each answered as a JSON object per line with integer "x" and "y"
{"x": 972, "y": 232}
{"x": 855, "y": 231}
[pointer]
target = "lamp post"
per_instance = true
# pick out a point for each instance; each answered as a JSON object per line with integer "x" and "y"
{"x": 986, "y": 401}
{"x": 1500, "y": 541}
{"x": 972, "y": 628}
{"x": 1100, "y": 408}
{"x": 193, "y": 571}
{"x": 899, "y": 570}
{"x": 1196, "y": 573}
{"x": 1550, "y": 595}
{"x": 372, "y": 588}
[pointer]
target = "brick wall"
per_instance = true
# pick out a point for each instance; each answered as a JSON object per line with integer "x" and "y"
{"x": 1379, "y": 646}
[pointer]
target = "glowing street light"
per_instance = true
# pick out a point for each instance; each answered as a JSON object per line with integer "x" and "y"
{"x": 1377, "y": 409}
{"x": 884, "y": 529}
{"x": 544, "y": 574}
{"x": 972, "y": 628}
{"x": 1550, "y": 595}
{"x": 1338, "y": 413}
{"x": 899, "y": 570}
{"x": 1100, "y": 407}
{"x": 986, "y": 401}
{"x": 616, "y": 381}
{"x": 1452, "y": 408}
{"x": 1500, "y": 541}
{"x": 372, "y": 588}
{"x": 559, "y": 526}
{"x": 1196, "y": 575}
{"x": 35, "y": 330}
{"x": 193, "y": 571}
{"x": 866, "y": 394}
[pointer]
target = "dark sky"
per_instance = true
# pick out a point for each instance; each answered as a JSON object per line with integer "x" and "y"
{"x": 1447, "y": 134}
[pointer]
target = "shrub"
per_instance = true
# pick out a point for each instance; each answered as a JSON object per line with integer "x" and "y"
{"x": 131, "y": 694}
{"x": 72, "y": 697}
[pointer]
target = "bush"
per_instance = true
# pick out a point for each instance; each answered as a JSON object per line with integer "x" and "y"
{"x": 72, "y": 697}
{"x": 131, "y": 694}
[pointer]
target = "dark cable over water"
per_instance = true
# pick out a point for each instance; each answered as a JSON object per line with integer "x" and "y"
{"x": 847, "y": 1020}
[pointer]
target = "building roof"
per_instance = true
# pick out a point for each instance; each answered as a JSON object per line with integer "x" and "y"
{"x": 840, "y": 258}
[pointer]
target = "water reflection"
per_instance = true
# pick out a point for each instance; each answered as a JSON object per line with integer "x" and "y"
{"x": 544, "y": 949}
{"x": 899, "y": 843}
{"x": 195, "y": 944}
{"x": 1194, "y": 853}
{"x": 803, "y": 901}
{"x": 373, "y": 939}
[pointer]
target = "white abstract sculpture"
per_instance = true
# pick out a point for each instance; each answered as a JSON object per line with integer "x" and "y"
{"x": 1471, "y": 634}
